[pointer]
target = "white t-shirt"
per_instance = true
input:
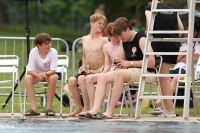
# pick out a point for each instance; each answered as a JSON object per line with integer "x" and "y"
{"x": 183, "y": 48}
{"x": 38, "y": 64}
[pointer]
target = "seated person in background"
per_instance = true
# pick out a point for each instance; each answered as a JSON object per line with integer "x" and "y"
{"x": 112, "y": 50}
{"x": 126, "y": 102}
{"x": 92, "y": 62}
{"x": 181, "y": 61}
{"x": 41, "y": 67}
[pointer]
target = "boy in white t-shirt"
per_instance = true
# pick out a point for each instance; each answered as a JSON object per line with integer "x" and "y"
{"x": 181, "y": 61}
{"x": 42, "y": 67}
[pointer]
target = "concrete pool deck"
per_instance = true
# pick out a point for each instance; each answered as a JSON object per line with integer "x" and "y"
{"x": 125, "y": 117}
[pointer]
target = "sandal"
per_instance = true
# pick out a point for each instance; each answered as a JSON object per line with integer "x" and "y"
{"x": 31, "y": 113}
{"x": 50, "y": 112}
{"x": 167, "y": 115}
{"x": 156, "y": 111}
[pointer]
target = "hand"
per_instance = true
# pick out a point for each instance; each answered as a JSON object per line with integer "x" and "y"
{"x": 41, "y": 77}
{"x": 123, "y": 64}
{"x": 83, "y": 72}
{"x": 93, "y": 71}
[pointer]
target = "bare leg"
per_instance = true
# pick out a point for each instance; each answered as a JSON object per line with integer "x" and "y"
{"x": 166, "y": 88}
{"x": 51, "y": 80}
{"x": 76, "y": 95}
{"x": 91, "y": 80}
{"x": 101, "y": 90}
{"x": 120, "y": 77}
{"x": 29, "y": 85}
{"x": 66, "y": 89}
{"x": 82, "y": 84}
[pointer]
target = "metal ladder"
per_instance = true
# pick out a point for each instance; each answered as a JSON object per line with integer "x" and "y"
{"x": 150, "y": 32}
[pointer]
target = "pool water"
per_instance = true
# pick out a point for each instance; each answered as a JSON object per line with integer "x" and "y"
{"x": 94, "y": 126}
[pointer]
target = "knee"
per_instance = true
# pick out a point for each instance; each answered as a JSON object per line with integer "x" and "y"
{"x": 88, "y": 79}
{"x": 72, "y": 81}
{"x": 52, "y": 78}
{"x": 81, "y": 79}
{"x": 27, "y": 79}
{"x": 101, "y": 77}
{"x": 119, "y": 74}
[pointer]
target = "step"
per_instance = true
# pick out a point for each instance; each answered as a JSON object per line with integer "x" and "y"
{"x": 161, "y": 97}
{"x": 169, "y": 39}
{"x": 170, "y": 10}
{"x": 164, "y": 75}
{"x": 165, "y": 53}
{"x": 168, "y": 32}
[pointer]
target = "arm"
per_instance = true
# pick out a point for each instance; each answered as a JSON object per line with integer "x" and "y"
{"x": 84, "y": 64}
{"x": 54, "y": 63}
{"x": 107, "y": 59}
{"x": 180, "y": 25}
{"x": 151, "y": 59}
{"x": 147, "y": 14}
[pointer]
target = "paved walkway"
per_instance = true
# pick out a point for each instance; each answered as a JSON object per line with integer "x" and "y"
{"x": 144, "y": 117}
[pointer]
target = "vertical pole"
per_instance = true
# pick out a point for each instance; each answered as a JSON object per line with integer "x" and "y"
{"x": 27, "y": 30}
{"x": 188, "y": 60}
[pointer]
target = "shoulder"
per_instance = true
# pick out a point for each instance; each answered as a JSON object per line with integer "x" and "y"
{"x": 84, "y": 38}
{"x": 53, "y": 50}
{"x": 106, "y": 45}
{"x": 148, "y": 8}
{"x": 140, "y": 35}
{"x": 34, "y": 50}
{"x": 104, "y": 40}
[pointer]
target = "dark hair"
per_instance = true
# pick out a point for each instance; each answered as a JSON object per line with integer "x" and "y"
{"x": 120, "y": 25}
{"x": 42, "y": 38}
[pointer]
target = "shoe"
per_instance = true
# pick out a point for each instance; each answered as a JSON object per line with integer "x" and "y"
{"x": 167, "y": 115}
{"x": 98, "y": 116}
{"x": 156, "y": 111}
{"x": 31, "y": 113}
{"x": 52, "y": 113}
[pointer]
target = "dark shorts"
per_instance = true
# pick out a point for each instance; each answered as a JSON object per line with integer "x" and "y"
{"x": 171, "y": 59}
{"x": 76, "y": 76}
{"x": 176, "y": 71}
{"x": 59, "y": 75}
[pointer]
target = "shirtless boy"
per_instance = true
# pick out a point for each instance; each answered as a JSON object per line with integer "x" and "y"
{"x": 92, "y": 62}
{"x": 112, "y": 50}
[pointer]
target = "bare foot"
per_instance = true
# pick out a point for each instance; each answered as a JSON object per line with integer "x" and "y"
{"x": 108, "y": 115}
{"x": 75, "y": 113}
{"x": 82, "y": 113}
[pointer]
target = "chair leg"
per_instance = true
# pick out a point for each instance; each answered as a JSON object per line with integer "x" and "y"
{"x": 20, "y": 97}
{"x": 24, "y": 101}
{"x": 123, "y": 96}
{"x": 61, "y": 101}
{"x": 109, "y": 96}
{"x": 130, "y": 101}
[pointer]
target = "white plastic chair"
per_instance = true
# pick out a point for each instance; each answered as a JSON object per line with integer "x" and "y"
{"x": 9, "y": 68}
{"x": 62, "y": 67}
{"x": 196, "y": 85}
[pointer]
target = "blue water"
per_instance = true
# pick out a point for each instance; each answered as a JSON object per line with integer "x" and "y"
{"x": 95, "y": 126}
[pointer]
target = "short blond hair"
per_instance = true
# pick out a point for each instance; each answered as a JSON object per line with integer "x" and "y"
{"x": 96, "y": 17}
